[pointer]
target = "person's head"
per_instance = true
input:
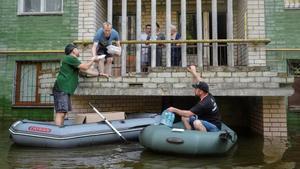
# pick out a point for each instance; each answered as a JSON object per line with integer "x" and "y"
{"x": 173, "y": 29}
{"x": 148, "y": 29}
{"x": 71, "y": 49}
{"x": 107, "y": 27}
{"x": 201, "y": 88}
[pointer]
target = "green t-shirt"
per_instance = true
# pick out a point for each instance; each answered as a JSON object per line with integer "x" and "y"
{"x": 67, "y": 79}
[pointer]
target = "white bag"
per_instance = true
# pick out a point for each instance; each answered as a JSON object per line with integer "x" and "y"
{"x": 114, "y": 50}
{"x": 100, "y": 57}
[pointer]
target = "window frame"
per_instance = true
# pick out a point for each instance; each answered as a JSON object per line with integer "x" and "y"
{"x": 17, "y": 87}
{"x": 42, "y": 9}
{"x": 290, "y": 7}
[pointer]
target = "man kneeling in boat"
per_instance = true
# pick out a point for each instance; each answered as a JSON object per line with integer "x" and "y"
{"x": 204, "y": 116}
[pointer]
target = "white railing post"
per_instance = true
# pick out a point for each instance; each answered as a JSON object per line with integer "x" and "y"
{"x": 215, "y": 31}
{"x": 168, "y": 31}
{"x": 110, "y": 11}
{"x": 153, "y": 32}
{"x": 230, "y": 57}
{"x": 138, "y": 34}
{"x": 199, "y": 33}
{"x": 124, "y": 37}
{"x": 183, "y": 33}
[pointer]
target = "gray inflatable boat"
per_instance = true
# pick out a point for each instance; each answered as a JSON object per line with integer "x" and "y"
{"x": 47, "y": 134}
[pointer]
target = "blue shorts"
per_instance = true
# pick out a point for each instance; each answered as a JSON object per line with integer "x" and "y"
{"x": 209, "y": 126}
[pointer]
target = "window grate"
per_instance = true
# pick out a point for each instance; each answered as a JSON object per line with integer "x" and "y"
{"x": 27, "y": 89}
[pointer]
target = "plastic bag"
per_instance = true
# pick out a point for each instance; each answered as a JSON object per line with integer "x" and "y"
{"x": 114, "y": 50}
{"x": 167, "y": 118}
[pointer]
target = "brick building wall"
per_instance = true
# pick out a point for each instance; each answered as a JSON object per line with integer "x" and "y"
{"x": 31, "y": 32}
{"x": 282, "y": 27}
{"x": 91, "y": 16}
{"x": 128, "y": 104}
{"x": 37, "y": 32}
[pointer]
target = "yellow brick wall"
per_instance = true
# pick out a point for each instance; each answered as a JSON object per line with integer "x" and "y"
{"x": 128, "y": 104}
{"x": 268, "y": 116}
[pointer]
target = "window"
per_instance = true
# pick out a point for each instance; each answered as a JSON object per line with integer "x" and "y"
{"x": 27, "y": 85}
{"x": 31, "y": 7}
{"x": 294, "y": 67}
{"x": 292, "y": 4}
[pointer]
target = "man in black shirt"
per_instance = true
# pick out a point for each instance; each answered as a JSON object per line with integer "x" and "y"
{"x": 204, "y": 116}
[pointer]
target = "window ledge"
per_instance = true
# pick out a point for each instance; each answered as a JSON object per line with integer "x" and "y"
{"x": 39, "y": 13}
{"x": 31, "y": 106}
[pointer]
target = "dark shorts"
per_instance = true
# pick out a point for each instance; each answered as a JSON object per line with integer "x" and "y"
{"x": 103, "y": 51}
{"x": 62, "y": 102}
{"x": 209, "y": 126}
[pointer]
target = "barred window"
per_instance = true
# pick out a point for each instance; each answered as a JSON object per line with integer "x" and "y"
{"x": 292, "y": 4}
{"x": 294, "y": 67}
{"x": 32, "y": 7}
{"x": 27, "y": 84}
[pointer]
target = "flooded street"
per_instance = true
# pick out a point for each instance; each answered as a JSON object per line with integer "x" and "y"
{"x": 250, "y": 152}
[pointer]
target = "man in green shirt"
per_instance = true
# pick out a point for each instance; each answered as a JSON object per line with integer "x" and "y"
{"x": 67, "y": 81}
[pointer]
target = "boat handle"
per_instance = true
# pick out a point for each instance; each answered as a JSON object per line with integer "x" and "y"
{"x": 175, "y": 140}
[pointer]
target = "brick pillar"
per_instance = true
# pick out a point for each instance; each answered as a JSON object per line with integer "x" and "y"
{"x": 256, "y": 30}
{"x": 268, "y": 116}
{"x": 274, "y": 117}
{"x": 91, "y": 15}
{"x": 256, "y": 116}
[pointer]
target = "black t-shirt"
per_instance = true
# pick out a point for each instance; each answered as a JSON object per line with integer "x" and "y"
{"x": 207, "y": 110}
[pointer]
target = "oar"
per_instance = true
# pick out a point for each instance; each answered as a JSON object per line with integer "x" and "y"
{"x": 108, "y": 123}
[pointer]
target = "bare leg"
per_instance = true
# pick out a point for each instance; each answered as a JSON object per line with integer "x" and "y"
{"x": 59, "y": 118}
{"x": 108, "y": 66}
{"x": 101, "y": 66}
{"x": 186, "y": 123}
{"x": 199, "y": 126}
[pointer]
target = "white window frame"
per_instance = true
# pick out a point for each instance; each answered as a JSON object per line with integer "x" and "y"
{"x": 42, "y": 9}
{"x": 292, "y": 4}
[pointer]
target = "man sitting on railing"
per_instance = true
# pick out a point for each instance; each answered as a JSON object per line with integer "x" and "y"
{"x": 104, "y": 38}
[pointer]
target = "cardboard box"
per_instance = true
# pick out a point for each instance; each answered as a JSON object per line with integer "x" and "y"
{"x": 94, "y": 117}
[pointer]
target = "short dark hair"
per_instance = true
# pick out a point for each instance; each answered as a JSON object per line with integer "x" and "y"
{"x": 157, "y": 25}
{"x": 202, "y": 86}
{"x": 69, "y": 48}
{"x": 147, "y": 25}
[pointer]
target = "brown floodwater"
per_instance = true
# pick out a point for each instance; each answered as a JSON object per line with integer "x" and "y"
{"x": 251, "y": 151}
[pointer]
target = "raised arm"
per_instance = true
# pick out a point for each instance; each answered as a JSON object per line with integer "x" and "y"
{"x": 193, "y": 71}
